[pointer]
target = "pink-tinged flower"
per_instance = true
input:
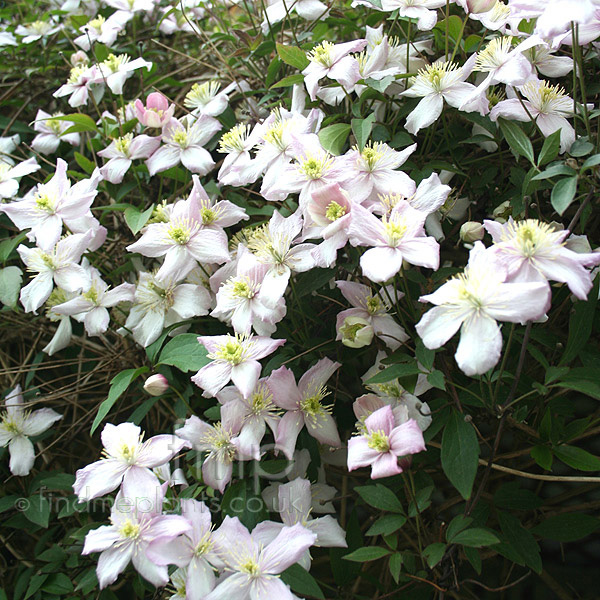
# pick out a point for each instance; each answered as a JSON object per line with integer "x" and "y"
{"x": 194, "y": 550}
{"x": 534, "y": 251}
{"x": 422, "y": 10}
{"x": 332, "y": 61}
{"x": 59, "y": 266}
{"x": 236, "y": 144}
{"x": 239, "y": 301}
{"x": 546, "y": 104}
{"x": 395, "y": 238}
{"x": 557, "y": 15}
{"x": 156, "y": 113}
{"x": 249, "y": 416}
{"x": 17, "y": 426}
{"x": 136, "y": 521}
{"x": 36, "y": 30}
{"x": 372, "y": 172}
{"x": 183, "y": 241}
{"x": 126, "y": 459}
{"x": 234, "y": 358}
{"x": 115, "y": 70}
{"x": 543, "y": 59}
{"x": 123, "y": 151}
{"x": 51, "y": 133}
{"x": 473, "y": 302}
{"x": 328, "y": 215}
{"x": 184, "y": 141}
{"x": 206, "y": 99}
{"x": 90, "y": 308}
{"x": 159, "y": 304}
{"x": 255, "y": 567}
{"x": 99, "y": 29}
{"x": 9, "y": 186}
{"x": 382, "y": 442}
{"x": 277, "y": 10}
{"x": 82, "y": 80}
{"x": 304, "y": 405}
{"x": 220, "y": 443}
{"x": 436, "y": 83}
{"x": 374, "y": 309}
{"x": 130, "y": 7}
{"x": 48, "y": 205}
{"x": 294, "y": 504}
{"x": 272, "y": 245}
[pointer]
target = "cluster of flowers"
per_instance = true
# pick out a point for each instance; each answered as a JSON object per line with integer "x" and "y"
{"x": 194, "y": 268}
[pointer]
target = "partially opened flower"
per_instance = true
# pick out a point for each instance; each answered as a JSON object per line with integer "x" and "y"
{"x": 156, "y": 113}
{"x": 126, "y": 458}
{"x": 382, "y": 443}
{"x": 473, "y": 302}
{"x": 17, "y": 426}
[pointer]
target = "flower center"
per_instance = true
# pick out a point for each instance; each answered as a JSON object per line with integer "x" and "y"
{"x": 44, "y": 203}
{"x": 335, "y": 211}
{"x": 129, "y": 530}
{"x": 113, "y": 63}
{"x": 201, "y": 94}
{"x": 315, "y": 168}
{"x": 179, "y": 234}
{"x": 371, "y": 155}
{"x": 394, "y": 230}
{"x": 373, "y": 305}
{"x": 180, "y": 137}
{"x": 312, "y": 406}
{"x": 250, "y": 568}
{"x": 242, "y": 289}
{"x": 92, "y": 295}
{"x": 97, "y": 23}
{"x": 350, "y": 330}
{"x": 494, "y": 54}
{"x": 379, "y": 441}
{"x": 54, "y": 125}
{"x": 321, "y": 54}
{"x": 122, "y": 143}
{"x": 234, "y": 140}
{"x": 208, "y": 215}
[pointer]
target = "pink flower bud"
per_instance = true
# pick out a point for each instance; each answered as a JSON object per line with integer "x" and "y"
{"x": 156, "y": 113}
{"x": 156, "y": 385}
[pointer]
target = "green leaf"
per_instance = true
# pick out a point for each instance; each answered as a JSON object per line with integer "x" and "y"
{"x": 521, "y": 541}
{"x": 567, "y": 528}
{"x": 381, "y": 497}
{"x": 386, "y": 525}
{"x": 334, "y": 137}
{"x": 519, "y": 143}
{"x": 58, "y": 583}
{"x": 394, "y": 372}
{"x": 366, "y": 554}
{"x": 581, "y": 147}
{"x": 135, "y": 219}
{"x": 437, "y": 380}
{"x": 302, "y": 582}
{"x": 550, "y": 148}
{"x": 118, "y": 384}
{"x": 577, "y": 458}
{"x": 85, "y": 163}
{"x": 361, "y": 128}
{"x": 81, "y": 123}
{"x": 457, "y": 524}
{"x": 37, "y": 510}
{"x": 8, "y": 245}
{"x": 288, "y": 81}
{"x": 513, "y": 497}
{"x": 554, "y": 171}
{"x": 563, "y": 193}
{"x": 475, "y": 538}
{"x": 592, "y": 161}
{"x": 589, "y": 388}
{"x": 460, "y": 453}
{"x": 424, "y": 355}
{"x": 10, "y": 285}
{"x": 434, "y": 553}
{"x": 184, "y": 352}
{"x": 239, "y": 500}
{"x": 293, "y": 56}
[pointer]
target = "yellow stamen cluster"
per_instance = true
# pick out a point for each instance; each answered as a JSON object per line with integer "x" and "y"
{"x": 379, "y": 441}
{"x": 122, "y": 143}
{"x": 335, "y": 211}
{"x": 321, "y": 54}
{"x": 201, "y": 94}
{"x": 494, "y": 54}
{"x": 234, "y": 140}
{"x": 315, "y": 167}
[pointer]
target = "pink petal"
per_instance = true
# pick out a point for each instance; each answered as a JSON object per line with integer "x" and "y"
{"x": 286, "y": 549}
{"x": 386, "y": 465}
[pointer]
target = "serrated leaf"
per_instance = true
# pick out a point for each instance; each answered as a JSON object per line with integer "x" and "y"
{"x": 578, "y": 458}
{"x": 334, "y": 137}
{"x": 302, "y": 582}
{"x": 381, "y": 497}
{"x": 361, "y": 128}
{"x": 10, "y": 285}
{"x": 135, "y": 219}
{"x": 460, "y": 453}
{"x": 367, "y": 554}
{"x": 185, "y": 352}
{"x": 519, "y": 143}
{"x": 293, "y": 56}
{"x": 567, "y": 528}
{"x": 563, "y": 193}
{"x": 118, "y": 384}
{"x": 475, "y": 538}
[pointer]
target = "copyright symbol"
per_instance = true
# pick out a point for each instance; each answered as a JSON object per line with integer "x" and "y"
{"x": 22, "y": 504}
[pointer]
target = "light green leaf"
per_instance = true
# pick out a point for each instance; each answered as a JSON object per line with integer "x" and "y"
{"x": 8, "y": 245}
{"x": 394, "y": 372}
{"x": 563, "y": 193}
{"x": 293, "y": 56}
{"x": 10, "y": 285}
{"x": 288, "y": 81}
{"x": 361, "y": 128}
{"x": 80, "y": 123}
{"x": 135, "y": 219}
{"x": 185, "y": 352}
{"x": 550, "y": 148}
{"x": 334, "y": 137}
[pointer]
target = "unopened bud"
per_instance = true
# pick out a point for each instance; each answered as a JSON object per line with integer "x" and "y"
{"x": 79, "y": 58}
{"x": 480, "y": 6}
{"x": 156, "y": 385}
{"x": 502, "y": 212}
{"x": 356, "y": 332}
{"x": 471, "y": 231}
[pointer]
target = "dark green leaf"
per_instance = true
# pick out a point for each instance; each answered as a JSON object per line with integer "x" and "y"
{"x": 550, "y": 148}
{"x": 460, "y": 453}
{"x": 85, "y": 163}
{"x": 302, "y": 582}
{"x": 394, "y": 372}
{"x": 457, "y": 524}
{"x": 366, "y": 554}
{"x": 395, "y": 565}
{"x": 8, "y": 245}
{"x": 589, "y": 388}
{"x": 437, "y": 380}
{"x": 554, "y": 171}
{"x": 37, "y": 510}
{"x": 293, "y": 56}
{"x": 380, "y": 497}
{"x": 521, "y": 541}
{"x": 563, "y": 193}
{"x": 81, "y": 123}
{"x": 567, "y": 528}
{"x": 519, "y": 143}
{"x": 513, "y": 497}
{"x": 239, "y": 500}
{"x": 475, "y": 538}
{"x": 386, "y": 525}
{"x": 58, "y": 583}
{"x": 118, "y": 384}
{"x": 434, "y": 553}
{"x": 577, "y": 458}
{"x": 185, "y": 352}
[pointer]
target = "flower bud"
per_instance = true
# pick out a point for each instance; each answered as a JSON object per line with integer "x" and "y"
{"x": 471, "y": 231}
{"x": 356, "y": 332}
{"x": 79, "y": 58}
{"x": 156, "y": 385}
{"x": 480, "y": 6}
